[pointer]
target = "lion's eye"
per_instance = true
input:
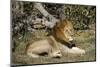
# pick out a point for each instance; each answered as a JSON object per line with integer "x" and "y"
{"x": 66, "y": 30}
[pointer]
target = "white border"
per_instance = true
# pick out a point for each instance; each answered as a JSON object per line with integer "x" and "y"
{"x": 5, "y": 33}
{"x": 86, "y": 2}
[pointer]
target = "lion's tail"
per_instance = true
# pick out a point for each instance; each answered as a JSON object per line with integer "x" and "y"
{"x": 27, "y": 46}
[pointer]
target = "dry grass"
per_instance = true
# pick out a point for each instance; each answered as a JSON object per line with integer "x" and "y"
{"x": 85, "y": 39}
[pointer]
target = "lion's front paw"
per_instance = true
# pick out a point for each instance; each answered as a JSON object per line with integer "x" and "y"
{"x": 76, "y": 50}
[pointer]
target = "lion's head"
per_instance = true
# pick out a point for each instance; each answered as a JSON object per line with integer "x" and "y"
{"x": 63, "y": 31}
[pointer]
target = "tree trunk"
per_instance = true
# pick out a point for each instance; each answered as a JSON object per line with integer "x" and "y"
{"x": 52, "y": 19}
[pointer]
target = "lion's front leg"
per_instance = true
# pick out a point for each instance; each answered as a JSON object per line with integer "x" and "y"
{"x": 74, "y": 50}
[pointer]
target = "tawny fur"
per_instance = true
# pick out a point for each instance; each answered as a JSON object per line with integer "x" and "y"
{"x": 53, "y": 46}
{"x": 48, "y": 46}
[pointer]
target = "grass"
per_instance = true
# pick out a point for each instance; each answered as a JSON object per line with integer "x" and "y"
{"x": 85, "y": 40}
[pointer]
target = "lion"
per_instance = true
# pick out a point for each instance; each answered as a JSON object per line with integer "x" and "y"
{"x": 59, "y": 42}
{"x": 44, "y": 47}
{"x": 63, "y": 33}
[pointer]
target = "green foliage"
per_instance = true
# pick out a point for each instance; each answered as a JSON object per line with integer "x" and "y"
{"x": 82, "y": 15}
{"x": 24, "y": 12}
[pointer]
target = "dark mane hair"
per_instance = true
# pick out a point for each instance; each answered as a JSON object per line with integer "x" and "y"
{"x": 57, "y": 31}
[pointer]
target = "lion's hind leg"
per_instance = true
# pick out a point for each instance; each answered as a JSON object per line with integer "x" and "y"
{"x": 55, "y": 54}
{"x": 33, "y": 55}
